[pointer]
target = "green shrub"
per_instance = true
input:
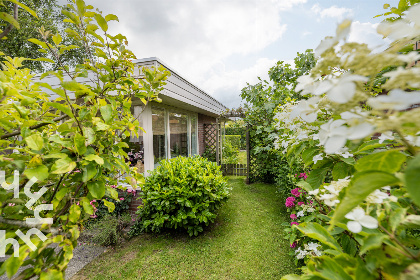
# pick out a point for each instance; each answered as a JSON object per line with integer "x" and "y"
{"x": 230, "y": 153}
{"x": 181, "y": 193}
{"x": 234, "y": 140}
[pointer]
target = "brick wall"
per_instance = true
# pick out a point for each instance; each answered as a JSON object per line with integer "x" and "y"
{"x": 134, "y": 204}
{"x": 202, "y": 120}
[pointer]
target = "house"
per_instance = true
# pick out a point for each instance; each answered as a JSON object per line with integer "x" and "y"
{"x": 177, "y": 126}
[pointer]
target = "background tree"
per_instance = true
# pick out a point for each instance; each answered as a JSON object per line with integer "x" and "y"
{"x": 16, "y": 43}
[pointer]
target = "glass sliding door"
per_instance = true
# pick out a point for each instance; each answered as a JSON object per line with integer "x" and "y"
{"x": 159, "y": 135}
{"x": 178, "y": 134}
{"x": 194, "y": 148}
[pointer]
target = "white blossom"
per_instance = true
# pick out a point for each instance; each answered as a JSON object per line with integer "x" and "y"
{"x": 397, "y": 99}
{"x": 300, "y": 214}
{"x": 306, "y": 110}
{"x": 314, "y": 192}
{"x": 317, "y": 158}
{"x": 300, "y": 254}
{"x": 385, "y": 136}
{"x": 377, "y": 197}
{"x": 358, "y": 219}
{"x": 332, "y": 135}
{"x": 340, "y": 90}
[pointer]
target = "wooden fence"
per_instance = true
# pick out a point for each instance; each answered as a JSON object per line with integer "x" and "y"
{"x": 234, "y": 169}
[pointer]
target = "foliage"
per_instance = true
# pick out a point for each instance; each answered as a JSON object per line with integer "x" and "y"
{"x": 182, "y": 193}
{"x": 230, "y": 153}
{"x": 122, "y": 204}
{"x": 360, "y": 141}
{"x": 50, "y": 18}
{"x": 234, "y": 140}
{"x": 72, "y": 144}
{"x": 262, "y": 100}
{"x": 243, "y": 243}
{"x": 209, "y": 154}
{"x": 108, "y": 230}
{"x": 237, "y": 128}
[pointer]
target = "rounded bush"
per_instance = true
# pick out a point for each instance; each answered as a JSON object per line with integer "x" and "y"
{"x": 182, "y": 193}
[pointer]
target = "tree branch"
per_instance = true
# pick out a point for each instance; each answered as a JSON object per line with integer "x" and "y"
{"x": 17, "y": 132}
{"x": 10, "y": 26}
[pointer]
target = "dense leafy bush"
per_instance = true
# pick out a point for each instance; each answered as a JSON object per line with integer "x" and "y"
{"x": 230, "y": 153}
{"x": 181, "y": 193}
{"x": 234, "y": 140}
{"x": 238, "y": 128}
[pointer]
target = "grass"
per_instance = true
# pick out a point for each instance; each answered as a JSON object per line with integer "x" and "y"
{"x": 242, "y": 157}
{"x": 245, "y": 242}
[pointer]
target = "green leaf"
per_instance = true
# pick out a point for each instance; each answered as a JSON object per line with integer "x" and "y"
{"x": 371, "y": 242}
{"x": 340, "y": 170}
{"x": 370, "y": 145}
{"x": 10, "y": 19}
{"x": 40, "y": 172}
{"x": 361, "y": 185}
{"x": 63, "y": 108}
{"x": 63, "y": 165}
{"x": 316, "y": 231}
{"x": 79, "y": 143}
{"x": 317, "y": 177}
{"x": 61, "y": 193}
{"x": 39, "y": 43}
{"x": 305, "y": 185}
{"x": 96, "y": 189}
{"x": 74, "y": 213}
{"x": 388, "y": 161}
{"x": 412, "y": 221}
{"x": 328, "y": 268}
{"x": 35, "y": 142}
{"x": 95, "y": 158}
{"x": 412, "y": 179}
{"x": 396, "y": 217}
{"x": 89, "y": 171}
{"x": 90, "y": 135}
{"x": 101, "y": 22}
{"x": 51, "y": 274}
{"x": 106, "y": 112}
{"x": 111, "y": 17}
{"x": 112, "y": 193}
{"x": 81, "y": 7}
{"x": 109, "y": 205}
{"x": 12, "y": 265}
{"x": 26, "y": 8}
{"x": 84, "y": 201}
{"x": 57, "y": 39}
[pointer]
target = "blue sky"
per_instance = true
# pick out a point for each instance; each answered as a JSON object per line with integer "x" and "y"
{"x": 220, "y": 45}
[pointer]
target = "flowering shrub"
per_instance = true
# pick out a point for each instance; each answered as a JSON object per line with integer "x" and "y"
{"x": 135, "y": 157}
{"x": 358, "y": 133}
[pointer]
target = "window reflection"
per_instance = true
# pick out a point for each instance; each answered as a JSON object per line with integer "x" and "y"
{"x": 178, "y": 126}
{"x": 158, "y": 127}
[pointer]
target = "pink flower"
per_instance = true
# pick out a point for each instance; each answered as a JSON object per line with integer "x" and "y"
{"x": 296, "y": 192}
{"x": 293, "y": 245}
{"x": 300, "y": 203}
{"x": 290, "y": 201}
{"x": 121, "y": 198}
{"x": 293, "y": 216}
{"x": 294, "y": 223}
{"x": 129, "y": 190}
{"x": 77, "y": 203}
{"x": 93, "y": 216}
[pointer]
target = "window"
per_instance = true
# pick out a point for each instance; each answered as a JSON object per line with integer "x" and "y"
{"x": 159, "y": 135}
{"x": 194, "y": 140}
{"x": 174, "y": 133}
{"x": 136, "y": 144}
{"x": 178, "y": 138}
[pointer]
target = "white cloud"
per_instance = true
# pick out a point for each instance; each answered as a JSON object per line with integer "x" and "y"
{"x": 365, "y": 32}
{"x": 332, "y": 12}
{"x": 226, "y": 85}
{"x": 195, "y": 36}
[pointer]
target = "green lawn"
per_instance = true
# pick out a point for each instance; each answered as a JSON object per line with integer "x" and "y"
{"x": 242, "y": 157}
{"x": 245, "y": 242}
